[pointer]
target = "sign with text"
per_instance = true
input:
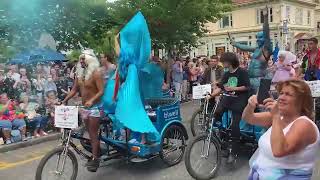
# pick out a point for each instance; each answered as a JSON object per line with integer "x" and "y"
{"x": 200, "y": 92}
{"x": 314, "y": 87}
{"x": 66, "y": 117}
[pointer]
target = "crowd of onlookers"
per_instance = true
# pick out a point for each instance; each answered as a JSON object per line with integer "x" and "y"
{"x": 28, "y": 94}
{"x": 187, "y": 72}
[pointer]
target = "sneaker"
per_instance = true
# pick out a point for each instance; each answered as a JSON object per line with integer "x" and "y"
{"x": 93, "y": 165}
{"x": 24, "y": 138}
{"x": 8, "y": 142}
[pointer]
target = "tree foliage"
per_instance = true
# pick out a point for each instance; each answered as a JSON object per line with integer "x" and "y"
{"x": 172, "y": 23}
{"x": 68, "y": 21}
{"x": 93, "y": 23}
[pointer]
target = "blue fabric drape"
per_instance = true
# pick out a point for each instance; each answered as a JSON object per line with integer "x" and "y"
{"x": 151, "y": 79}
{"x": 135, "y": 51}
{"x": 130, "y": 109}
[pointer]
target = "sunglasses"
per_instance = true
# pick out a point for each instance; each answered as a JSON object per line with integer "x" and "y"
{"x": 83, "y": 58}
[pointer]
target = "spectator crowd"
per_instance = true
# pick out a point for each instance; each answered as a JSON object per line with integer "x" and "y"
{"x": 187, "y": 72}
{"x": 28, "y": 95}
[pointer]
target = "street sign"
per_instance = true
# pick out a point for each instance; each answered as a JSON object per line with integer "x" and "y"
{"x": 314, "y": 87}
{"x": 200, "y": 92}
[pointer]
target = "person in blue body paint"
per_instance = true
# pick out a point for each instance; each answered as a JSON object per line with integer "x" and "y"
{"x": 261, "y": 54}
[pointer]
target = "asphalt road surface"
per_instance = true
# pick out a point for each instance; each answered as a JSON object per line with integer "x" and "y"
{"x": 21, "y": 164}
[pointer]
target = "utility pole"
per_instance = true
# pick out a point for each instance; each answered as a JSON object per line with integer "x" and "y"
{"x": 285, "y": 31}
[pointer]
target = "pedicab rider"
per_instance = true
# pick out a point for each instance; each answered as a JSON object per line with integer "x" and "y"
{"x": 90, "y": 84}
{"x": 236, "y": 84}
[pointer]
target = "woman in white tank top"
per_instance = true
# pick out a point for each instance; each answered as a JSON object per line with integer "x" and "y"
{"x": 289, "y": 147}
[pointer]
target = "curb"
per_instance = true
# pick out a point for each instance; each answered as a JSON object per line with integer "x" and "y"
{"x": 15, "y": 146}
{"x": 31, "y": 142}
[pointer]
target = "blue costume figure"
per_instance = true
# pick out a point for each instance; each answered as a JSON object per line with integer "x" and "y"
{"x": 151, "y": 79}
{"x": 261, "y": 54}
{"x": 128, "y": 102}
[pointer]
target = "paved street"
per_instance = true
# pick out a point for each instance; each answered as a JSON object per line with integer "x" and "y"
{"x": 21, "y": 165}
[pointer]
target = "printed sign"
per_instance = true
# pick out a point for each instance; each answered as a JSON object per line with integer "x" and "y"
{"x": 66, "y": 117}
{"x": 199, "y": 92}
{"x": 314, "y": 87}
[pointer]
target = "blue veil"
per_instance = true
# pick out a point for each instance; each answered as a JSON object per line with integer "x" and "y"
{"x": 135, "y": 43}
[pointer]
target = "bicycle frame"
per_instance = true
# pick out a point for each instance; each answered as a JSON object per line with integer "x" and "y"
{"x": 217, "y": 129}
{"x": 209, "y": 133}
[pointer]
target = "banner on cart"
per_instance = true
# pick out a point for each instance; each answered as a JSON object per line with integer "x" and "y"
{"x": 199, "y": 92}
{"x": 314, "y": 87}
{"x": 66, "y": 117}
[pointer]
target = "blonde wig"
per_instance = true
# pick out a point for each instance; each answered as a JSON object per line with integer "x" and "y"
{"x": 93, "y": 64}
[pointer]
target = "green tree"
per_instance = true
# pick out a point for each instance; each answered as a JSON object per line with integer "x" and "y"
{"x": 173, "y": 24}
{"x": 68, "y": 21}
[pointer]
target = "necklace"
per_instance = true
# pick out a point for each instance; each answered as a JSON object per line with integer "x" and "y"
{"x": 234, "y": 70}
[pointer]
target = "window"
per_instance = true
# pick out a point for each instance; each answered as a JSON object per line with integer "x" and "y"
{"x": 309, "y": 18}
{"x": 299, "y": 16}
{"x": 288, "y": 9}
{"x": 260, "y": 18}
{"x": 226, "y": 21}
{"x": 270, "y": 15}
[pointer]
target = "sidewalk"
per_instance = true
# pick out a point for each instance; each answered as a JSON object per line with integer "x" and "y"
{"x": 30, "y": 142}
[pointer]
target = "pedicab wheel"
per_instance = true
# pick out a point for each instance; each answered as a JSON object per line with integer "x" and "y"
{"x": 173, "y": 145}
{"x": 56, "y": 165}
{"x": 198, "y": 151}
{"x": 197, "y": 122}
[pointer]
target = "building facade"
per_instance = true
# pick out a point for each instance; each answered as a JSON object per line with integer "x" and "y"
{"x": 291, "y": 23}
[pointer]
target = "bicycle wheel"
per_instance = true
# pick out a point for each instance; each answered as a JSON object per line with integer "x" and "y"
{"x": 56, "y": 166}
{"x": 198, "y": 122}
{"x": 198, "y": 151}
{"x": 173, "y": 145}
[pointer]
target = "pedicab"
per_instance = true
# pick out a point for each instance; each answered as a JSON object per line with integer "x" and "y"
{"x": 135, "y": 109}
{"x": 205, "y": 151}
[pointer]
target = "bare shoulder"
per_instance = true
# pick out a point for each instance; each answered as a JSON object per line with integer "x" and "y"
{"x": 305, "y": 127}
{"x": 304, "y": 124}
{"x": 97, "y": 73}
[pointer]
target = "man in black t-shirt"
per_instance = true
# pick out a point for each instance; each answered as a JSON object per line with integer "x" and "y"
{"x": 235, "y": 84}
